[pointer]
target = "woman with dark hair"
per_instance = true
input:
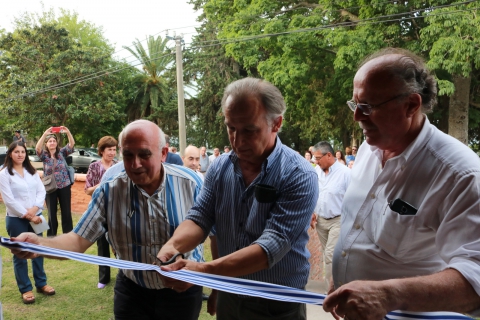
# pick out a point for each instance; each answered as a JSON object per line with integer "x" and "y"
{"x": 23, "y": 194}
{"x": 308, "y": 155}
{"x": 53, "y": 159}
{"x": 107, "y": 149}
{"x": 340, "y": 157}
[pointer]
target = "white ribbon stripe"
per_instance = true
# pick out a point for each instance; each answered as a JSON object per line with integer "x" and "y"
{"x": 222, "y": 283}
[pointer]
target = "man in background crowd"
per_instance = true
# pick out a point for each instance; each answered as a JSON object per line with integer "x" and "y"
{"x": 226, "y": 149}
{"x": 191, "y": 159}
{"x": 204, "y": 160}
{"x": 172, "y": 157}
{"x": 17, "y": 136}
{"x": 215, "y": 155}
{"x": 333, "y": 181}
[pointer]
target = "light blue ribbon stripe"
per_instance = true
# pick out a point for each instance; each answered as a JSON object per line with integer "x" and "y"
{"x": 233, "y": 285}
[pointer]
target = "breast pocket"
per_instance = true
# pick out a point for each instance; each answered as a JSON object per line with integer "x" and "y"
{"x": 257, "y": 218}
{"x": 392, "y": 232}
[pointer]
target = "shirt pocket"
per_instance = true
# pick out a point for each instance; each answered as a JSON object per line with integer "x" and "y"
{"x": 257, "y": 218}
{"x": 392, "y": 232}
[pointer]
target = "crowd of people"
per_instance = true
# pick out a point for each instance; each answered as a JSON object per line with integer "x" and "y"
{"x": 399, "y": 228}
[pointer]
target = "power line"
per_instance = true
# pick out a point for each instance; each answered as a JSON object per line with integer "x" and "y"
{"x": 228, "y": 41}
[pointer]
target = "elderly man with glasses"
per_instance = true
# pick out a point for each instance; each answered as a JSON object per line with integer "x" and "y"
{"x": 409, "y": 236}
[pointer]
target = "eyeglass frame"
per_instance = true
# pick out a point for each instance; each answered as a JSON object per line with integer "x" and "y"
{"x": 323, "y": 155}
{"x": 353, "y": 105}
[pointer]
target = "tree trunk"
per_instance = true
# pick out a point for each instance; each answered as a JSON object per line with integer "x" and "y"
{"x": 458, "y": 110}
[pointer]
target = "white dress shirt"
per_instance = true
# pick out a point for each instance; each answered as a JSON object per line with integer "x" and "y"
{"x": 440, "y": 177}
{"x": 332, "y": 188}
{"x": 21, "y": 193}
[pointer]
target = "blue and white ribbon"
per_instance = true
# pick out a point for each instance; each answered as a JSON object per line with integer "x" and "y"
{"x": 222, "y": 283}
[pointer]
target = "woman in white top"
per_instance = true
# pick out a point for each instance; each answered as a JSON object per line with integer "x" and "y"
{"x": 23, "y": 194}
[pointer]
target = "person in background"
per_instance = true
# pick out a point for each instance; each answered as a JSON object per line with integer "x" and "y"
{"x": 340, "y": 157}
{"x": 54, "y": 162}
{"x": 226, "y": 149}
{"x": 308, "y": 156}
{"x": 351, "y": 163}
{"x": 18, "y": 137}
{"x": 107, "y": 149}
{"x": 215, "y": 155}
{"x": 204, "y": 160}
{"x": 23, "y": 194}
{"x": 348, "y": 155}
{"x": 172, "y": 157}
{"x": 191, "y": 159}
{"x": 409, "y": 237}
{"x": 354, "y": 151}
{"x": 333, "y": 181}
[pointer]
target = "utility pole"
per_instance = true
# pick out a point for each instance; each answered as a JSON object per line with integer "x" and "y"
{"x": 182, "y": 136}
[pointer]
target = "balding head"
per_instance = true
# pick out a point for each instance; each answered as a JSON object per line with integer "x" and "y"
{"x": 142, "y": 148}
{"x": 191, "y": 157}
{"x": 405, "y": 69}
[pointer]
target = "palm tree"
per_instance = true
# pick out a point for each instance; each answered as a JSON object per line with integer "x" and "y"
{"x": 153, "y": 89}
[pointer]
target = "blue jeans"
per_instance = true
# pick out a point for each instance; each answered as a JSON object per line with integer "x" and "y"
{"x": 15, "y": 226}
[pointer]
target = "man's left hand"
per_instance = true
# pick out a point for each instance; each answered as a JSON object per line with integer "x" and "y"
{"x": 360, "y": 300}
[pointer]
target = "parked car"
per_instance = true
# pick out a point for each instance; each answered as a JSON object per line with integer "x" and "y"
{"x": 3, "y": 154}
{"x": 80, "y": 159}
{"x": 32, "y": 155}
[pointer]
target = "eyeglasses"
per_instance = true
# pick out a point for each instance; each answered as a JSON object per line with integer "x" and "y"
{"x": 367, "y": 108}
{"x": 318, "y": 159}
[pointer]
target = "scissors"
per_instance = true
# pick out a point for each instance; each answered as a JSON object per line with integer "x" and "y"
{"x": 160, "y": 263}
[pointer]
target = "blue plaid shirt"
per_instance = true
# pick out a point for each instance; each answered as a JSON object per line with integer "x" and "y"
{"x": 279, "y": 227}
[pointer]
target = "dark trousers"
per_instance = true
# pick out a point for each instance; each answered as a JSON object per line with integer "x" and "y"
{"x": 132, "y": 301}
{"x": 64, "y": 196}
{"x": 232, "y": 307}
{"x": 103, "y": 251}
{"x": 15, "y": 226}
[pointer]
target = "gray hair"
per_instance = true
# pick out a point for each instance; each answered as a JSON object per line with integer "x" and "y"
{"x": 411, "y": 70}
{"x": 268, "y": 94}
{"x": 324, "y": 147}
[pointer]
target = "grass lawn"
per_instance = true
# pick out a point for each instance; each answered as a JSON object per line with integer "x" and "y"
{"x": 77, "y": 295}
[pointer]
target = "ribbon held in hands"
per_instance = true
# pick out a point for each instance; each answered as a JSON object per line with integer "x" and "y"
{"x": 222, "y": 283}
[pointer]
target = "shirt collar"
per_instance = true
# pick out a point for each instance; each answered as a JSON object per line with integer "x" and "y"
{"x": 160, "y": 187}
{"x": 413, "y": 148}
{"x": 267, "y": 163}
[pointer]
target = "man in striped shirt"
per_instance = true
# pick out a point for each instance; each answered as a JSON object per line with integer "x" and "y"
{"x": 139, "y": 210}
{"x": 260, "y": 198}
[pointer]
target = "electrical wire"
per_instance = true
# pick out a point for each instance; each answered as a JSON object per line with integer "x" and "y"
{"x": 105, "y": 72}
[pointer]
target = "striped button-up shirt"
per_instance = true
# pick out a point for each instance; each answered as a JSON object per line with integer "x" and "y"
{"x": 138, "y": 225}
{"x": 279, "y": 227}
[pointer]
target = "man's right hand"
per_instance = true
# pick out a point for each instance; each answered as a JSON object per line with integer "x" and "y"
{"x": 25, "y": 237}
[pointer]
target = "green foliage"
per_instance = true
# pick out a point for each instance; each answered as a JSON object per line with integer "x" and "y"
{"x": 155, "y": 87}
{"x": 314, "y": 69}
{"x": 35, "y": 65}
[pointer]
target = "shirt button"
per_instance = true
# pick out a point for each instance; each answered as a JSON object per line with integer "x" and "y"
{"x": 344, "y": 253}
{"x": 403, "y": 167}
{"x": 372, "y": 195}
{"x": 357, "y": 226}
